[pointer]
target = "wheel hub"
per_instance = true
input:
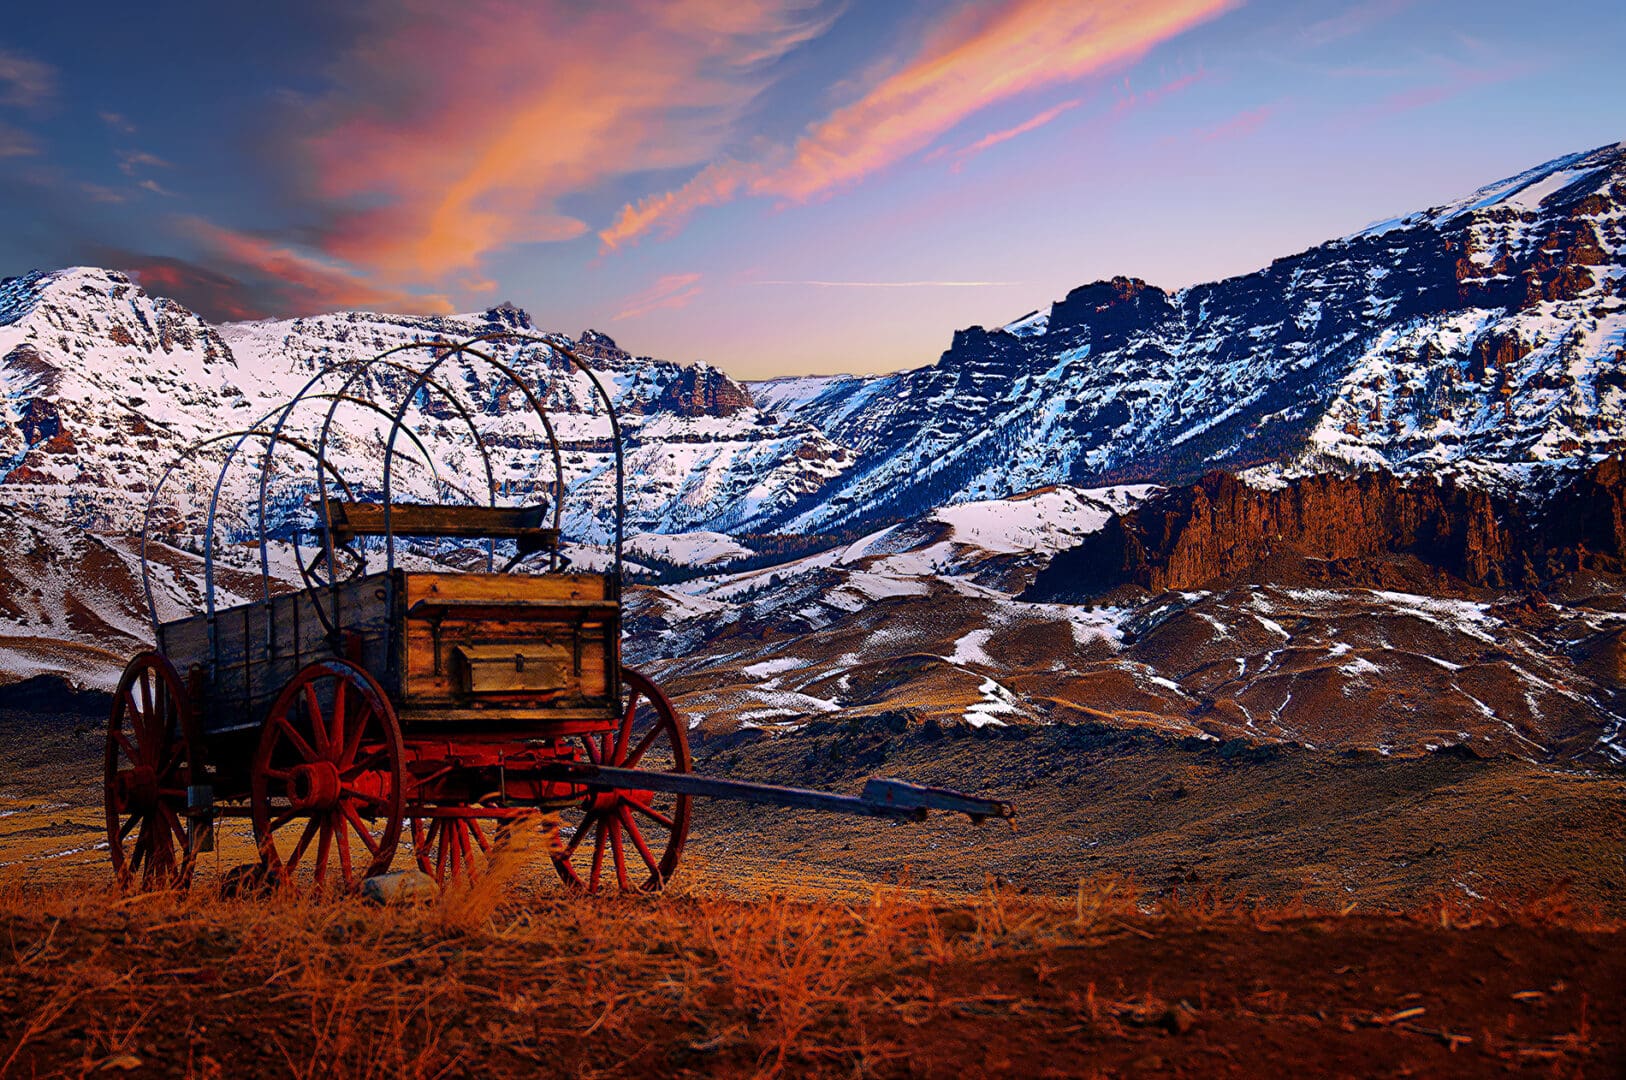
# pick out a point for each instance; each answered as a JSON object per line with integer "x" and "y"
{"x": 314, "y": 786}
{"x": 137, "y": 788}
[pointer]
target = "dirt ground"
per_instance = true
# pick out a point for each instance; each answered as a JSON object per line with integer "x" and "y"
{"x": 1160, "y": 908}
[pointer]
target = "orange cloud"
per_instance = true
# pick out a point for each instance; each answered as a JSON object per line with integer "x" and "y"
{"x": 455, "y": 130}
{"x": 671, "y": 291}
{"x": 300, "y": 282}
{"x": 984, "y": 55}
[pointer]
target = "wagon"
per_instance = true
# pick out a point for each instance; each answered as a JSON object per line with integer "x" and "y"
{"x": 417, "y": 707}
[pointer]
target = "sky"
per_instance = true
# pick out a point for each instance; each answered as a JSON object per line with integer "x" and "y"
{"x": 773, "y": 186}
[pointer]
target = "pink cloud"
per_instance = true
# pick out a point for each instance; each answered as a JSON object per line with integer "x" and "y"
{"x": 300, "y": 282}
{"x": 25, "y": 83}
{"x": 455, "y": 130}
{"x": 669, "y": 292}
{"x": 984, "y": 55}
{"x": 1240, "y": 126}
{"x": 988, "y": 142}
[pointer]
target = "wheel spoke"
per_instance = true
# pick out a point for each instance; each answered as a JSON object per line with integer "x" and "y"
{"x": 143, "y": 842}
{"x": 173, "y": 820}
{"x": 367, "y": 797}
{"x": 124, "y": 830}
{"x": 479, "y": 835}
{"x": 353, "y": 743}
{"x": 577, "y": 837}
{"x": 282, "y": 819}
{"x": 324, "y": 848}
{"x": 598, "y": 854}
{"x": 652, "y": 813}
{"x": 643, "y": 848}
{"x": 359, "y": 767}
{"x": 129, "y": 748}
{"x": 625, "y": 733}
{"x": 643, "y": 747}
{"x": 440, "y": 851}
{"x": 133, "y": 710}
{"x": 344, "y": 855}
{"x": 304, "y": 842}
{"x": 620, "y": 856}
{"x": 592, "y": 750}
{"x": 146, "y": 700}
{"x": 336, "y": 736}
{"x": 313, "y": 709}
{"x": 305, "y": 749}
{"x": 361, "y": 829}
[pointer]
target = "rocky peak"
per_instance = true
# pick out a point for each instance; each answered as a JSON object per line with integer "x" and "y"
{"x": 1109, "y": 310}
{"x": 702, "y": 390}
{"x": 509, "y": 316}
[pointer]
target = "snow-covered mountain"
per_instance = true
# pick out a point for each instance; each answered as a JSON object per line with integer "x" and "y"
{"x": 101, "y": 384}
{"x": 1487, "y": 336}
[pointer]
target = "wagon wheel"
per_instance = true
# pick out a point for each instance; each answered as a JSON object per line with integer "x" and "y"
{"x": 330, "y": 757}
{"x": 450, "y": 841}
{"x": 148, "y": 767}
{"x": 638, "y": 833}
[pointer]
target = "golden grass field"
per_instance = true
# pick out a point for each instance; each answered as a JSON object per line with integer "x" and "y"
{"x": 1204, "y": 933}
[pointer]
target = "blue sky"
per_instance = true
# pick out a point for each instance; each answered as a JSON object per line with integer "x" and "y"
{"x": 776, "y": 186}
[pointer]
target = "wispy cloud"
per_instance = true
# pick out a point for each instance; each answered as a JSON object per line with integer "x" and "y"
{"x": 25, "y": 83}
{"x": 1033, "y": 123}
{"x": 1357, "y": 18}
{"x": 454, "y": 130}
{"x": 100, "y": 194}
{"x": 669, "y": 292}
{"x": 1240, "y": 126}
{"x": 118, "y": 122}
{"x": 984, "y": 55}
{"x": 15, "y": 142}
{"x": 133, "y": 161}
{"x": 156, "y": 188}
{"x": 292, "y": 280}
{"x": 817, "y": 284}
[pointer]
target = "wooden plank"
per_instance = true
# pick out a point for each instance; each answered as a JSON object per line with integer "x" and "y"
{"x": 580, "y": 588}
{"x": 521, "y": 523}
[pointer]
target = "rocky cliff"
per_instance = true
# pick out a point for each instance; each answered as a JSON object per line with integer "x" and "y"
{"x": 1221, "y": 527}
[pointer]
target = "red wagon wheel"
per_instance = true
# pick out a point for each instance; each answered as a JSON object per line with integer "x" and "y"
{"x": 450, "y": 841}
{"x": 148, "y": 768}
{"x": 645, "y": 829}
{"x": 329, "y": 771}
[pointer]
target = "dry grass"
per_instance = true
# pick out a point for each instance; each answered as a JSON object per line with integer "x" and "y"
{"x": 501, "y": 976}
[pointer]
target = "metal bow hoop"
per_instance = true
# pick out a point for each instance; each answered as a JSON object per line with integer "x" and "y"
{"x": 609, "y": 410}
{"x": 185, "y": 455}
{"x": 305, "y": 391}
{"x": 444, "y": 350}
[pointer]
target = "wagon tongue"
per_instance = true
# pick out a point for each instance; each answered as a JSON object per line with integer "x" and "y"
{"x": 881, "y": 797}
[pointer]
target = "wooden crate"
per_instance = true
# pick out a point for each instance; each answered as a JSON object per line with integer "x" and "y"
{"x": 492, "y": 647}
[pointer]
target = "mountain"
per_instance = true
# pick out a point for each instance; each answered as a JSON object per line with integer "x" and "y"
{"x": 101, "y": 384}
{"x": 1485, "y": 337}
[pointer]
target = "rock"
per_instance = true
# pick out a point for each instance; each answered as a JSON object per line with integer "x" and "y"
{"x": 400, "y": 887}
{"x": 1220, "y": 526}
